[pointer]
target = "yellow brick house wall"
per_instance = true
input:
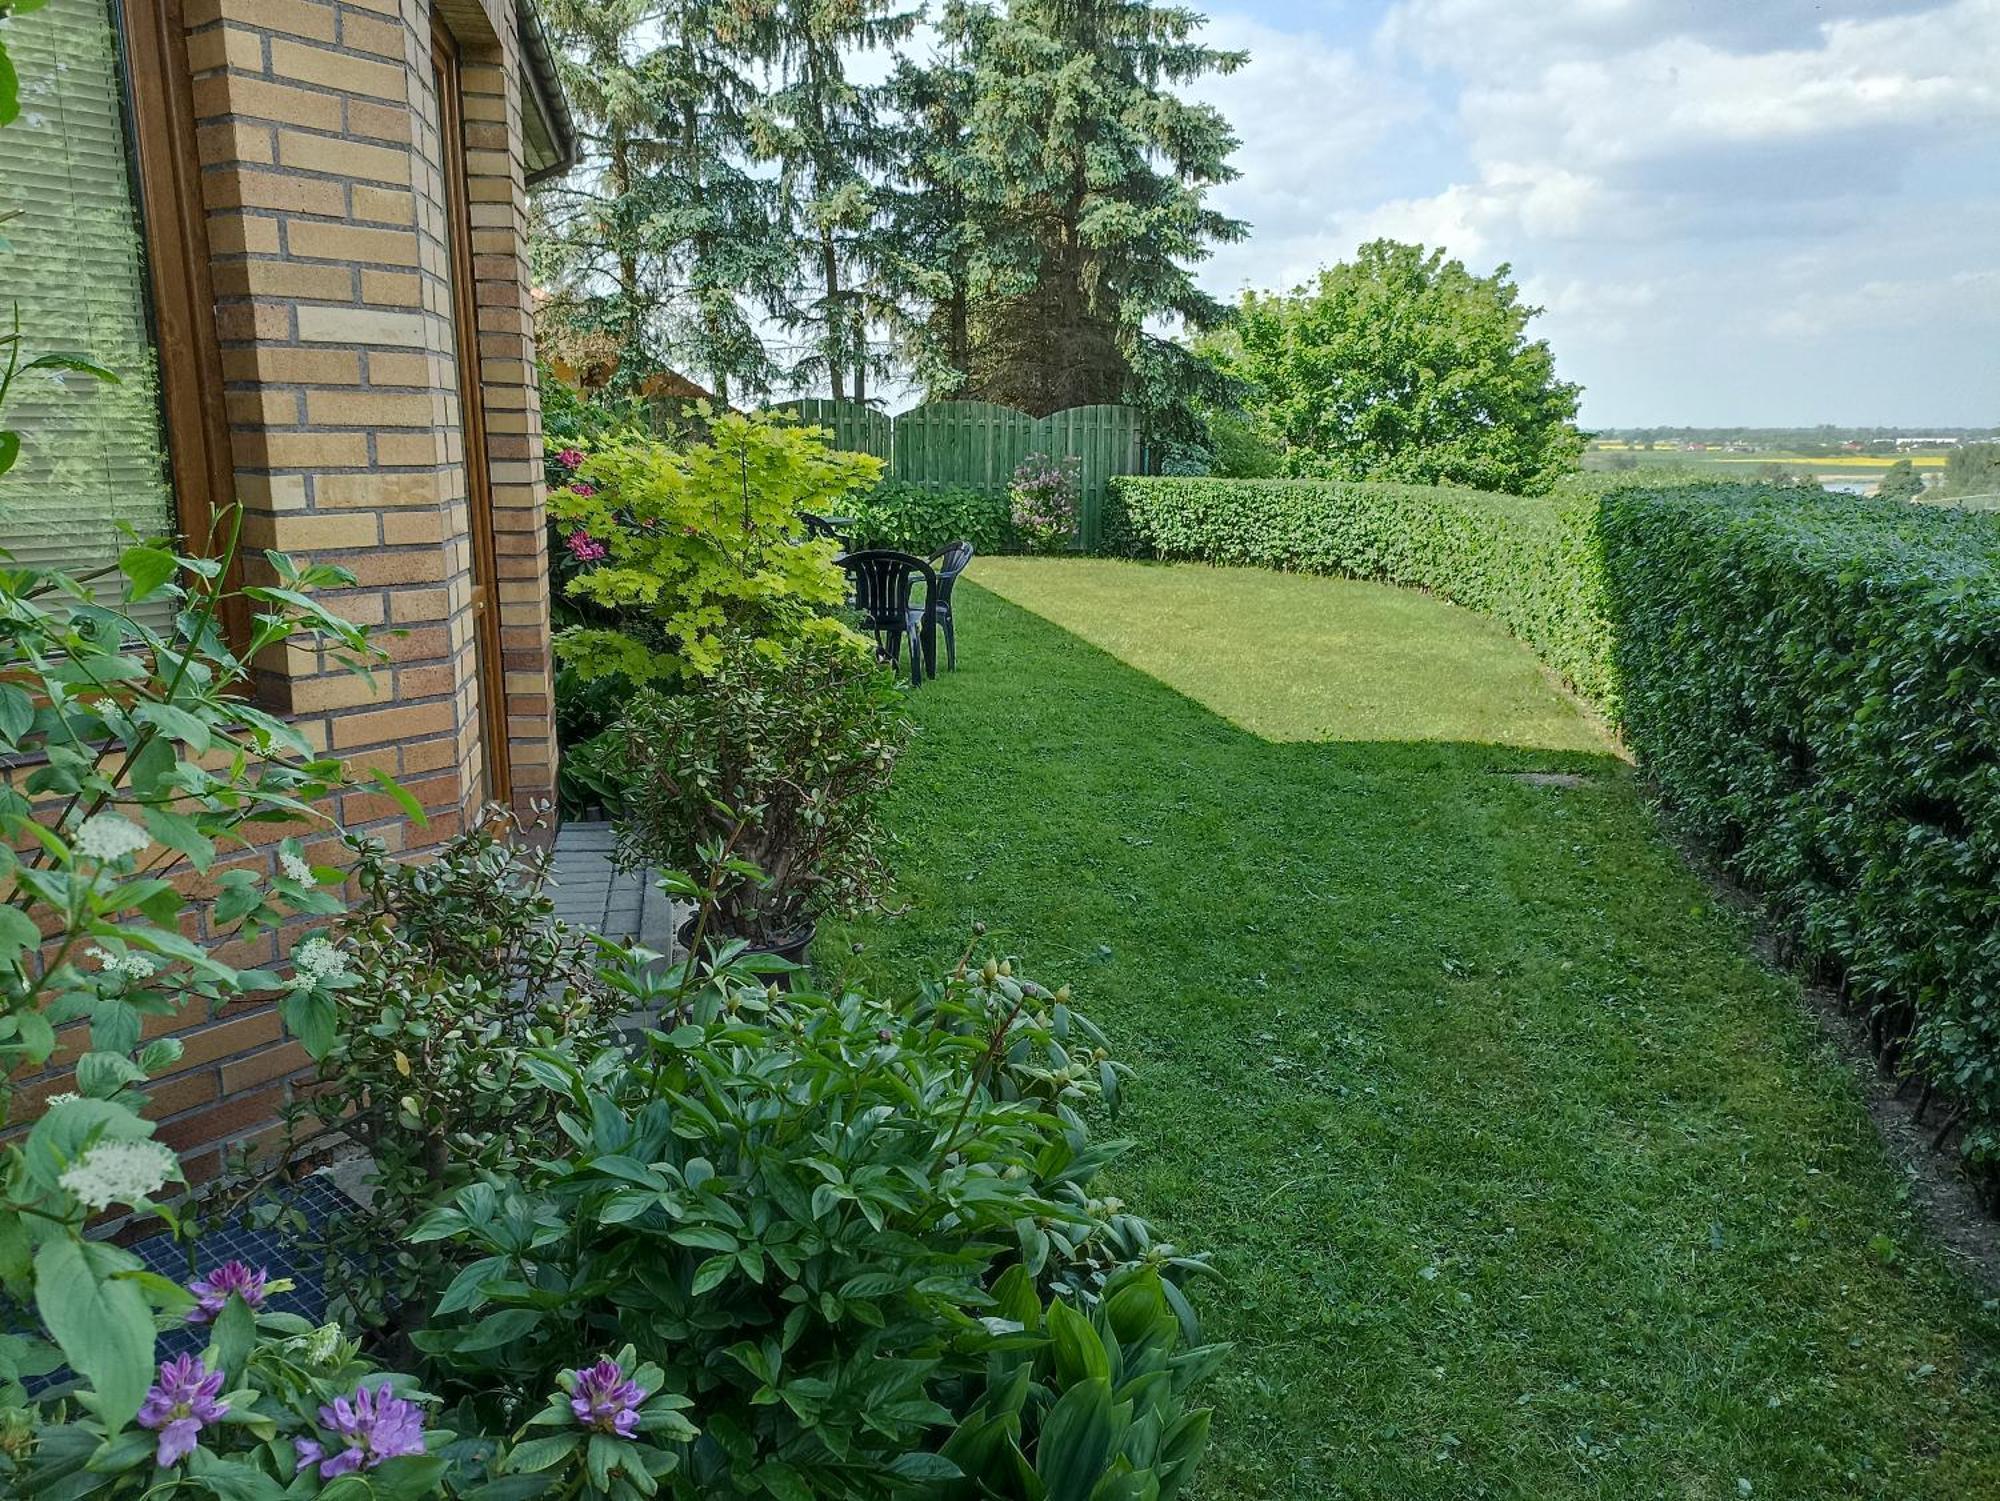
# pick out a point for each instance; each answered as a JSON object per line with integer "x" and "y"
{"x": 322, "y": 182}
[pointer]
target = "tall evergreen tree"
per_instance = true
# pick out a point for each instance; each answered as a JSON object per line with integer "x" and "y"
{"x": 662, "y": 237}
{"x": 826, "y": 135}
{"x": 1088, "y": 178}
{"x": 934, "y": 240}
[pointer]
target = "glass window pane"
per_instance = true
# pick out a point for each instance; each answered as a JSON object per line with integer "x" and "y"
{"x": 74, "y": 268}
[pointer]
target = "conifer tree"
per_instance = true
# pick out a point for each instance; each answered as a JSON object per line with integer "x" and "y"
{"x": 663, "y": 237}
{"x": 1088, "y": 181}
{"x": 826, "y": 134}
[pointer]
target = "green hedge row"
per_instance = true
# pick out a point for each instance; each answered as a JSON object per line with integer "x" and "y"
{"x": 923, "y": 518}
{"x": 1812, "y": 682}
{"x": 1532, "y": 564}
{"x": 1814, "y": 685}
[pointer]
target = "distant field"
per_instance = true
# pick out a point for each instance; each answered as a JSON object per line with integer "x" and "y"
{"x": 1855, "y": 463}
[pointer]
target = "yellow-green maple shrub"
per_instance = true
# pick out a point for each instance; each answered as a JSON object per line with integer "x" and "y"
{"x": 704, "y": 542}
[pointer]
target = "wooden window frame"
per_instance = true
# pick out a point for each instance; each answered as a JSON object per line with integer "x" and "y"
{"x": 174, "y": 229}
{"x": 462, "y": 278}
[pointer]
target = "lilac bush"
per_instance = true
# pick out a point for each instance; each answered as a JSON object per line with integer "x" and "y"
{"x": 1046, "y": 495}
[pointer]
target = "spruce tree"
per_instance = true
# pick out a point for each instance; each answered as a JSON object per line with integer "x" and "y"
{"x": 933, "y": 242}
{"x": 1088, "y": 181}
{"x": 825, "y": 133}
{"x": 662, "y": 237}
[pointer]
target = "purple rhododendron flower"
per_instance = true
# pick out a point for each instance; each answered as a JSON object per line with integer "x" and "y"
{"x": 606, "y": 1399}
{"x": 179, "y": 1405}
{"x": 582, "y": 487}
{"x": 368, "y": 1428}
{"x": 585, "y": 548}
{"x": 570, "y": 458}
{"x": 212, "y": 1292}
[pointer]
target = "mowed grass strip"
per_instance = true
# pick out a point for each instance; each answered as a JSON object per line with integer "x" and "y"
{"x": 1525, "y": 1179}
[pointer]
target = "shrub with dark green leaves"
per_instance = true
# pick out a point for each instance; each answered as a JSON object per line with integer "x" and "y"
{"x": 1531, "y": 563}
{"x": 833, "y": 1224}
{"x": 779, "y": 759}
{"x": 924, "y": 518}
{"x": 1814, "y": 685}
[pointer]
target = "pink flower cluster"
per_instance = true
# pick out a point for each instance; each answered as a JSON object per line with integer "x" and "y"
{"x": 585, "y": 548}
{"x": 1044, "y": 495}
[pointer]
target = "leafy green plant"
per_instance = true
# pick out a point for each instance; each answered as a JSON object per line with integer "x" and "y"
{"x": 1086, "y": 1406}
{"x": 921, "y": 519}
{"x": 777, "y": 762}
{"x": 147, "y": 760}
{"x": 681, "y": 548}
{"x": 797, "y": 1206}
{"x": 452, "y": 975}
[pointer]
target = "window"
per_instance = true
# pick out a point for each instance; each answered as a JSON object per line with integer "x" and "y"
{"x": 92, "y": 454}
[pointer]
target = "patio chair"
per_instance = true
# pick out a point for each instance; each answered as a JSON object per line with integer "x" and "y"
{"x": 950, "y": 563}
{"x": 839, "y": 528}
{"x": 884, "y": 583}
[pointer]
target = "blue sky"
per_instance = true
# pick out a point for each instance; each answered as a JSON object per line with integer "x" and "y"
{"x": 1735, "y": 211}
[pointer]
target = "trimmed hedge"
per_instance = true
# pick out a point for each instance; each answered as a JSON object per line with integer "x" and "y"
{"x": 1811, "y": 681}
{"x": 1532, "y": 564}
{"x": 923, "y": 518}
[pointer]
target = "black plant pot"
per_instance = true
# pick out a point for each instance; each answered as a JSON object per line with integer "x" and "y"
{"x": 794, "y": 947}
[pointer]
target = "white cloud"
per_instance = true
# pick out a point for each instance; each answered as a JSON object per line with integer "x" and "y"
{"x": 1703, "y": 193}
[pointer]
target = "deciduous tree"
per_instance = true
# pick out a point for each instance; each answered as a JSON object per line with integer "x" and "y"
{"x": 1402, "y": 365}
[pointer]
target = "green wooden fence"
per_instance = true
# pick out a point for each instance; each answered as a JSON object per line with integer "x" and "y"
{"x": 976, "y": 445}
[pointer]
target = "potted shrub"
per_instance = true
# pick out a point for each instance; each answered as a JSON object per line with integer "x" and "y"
{"x": 762, "y": 784}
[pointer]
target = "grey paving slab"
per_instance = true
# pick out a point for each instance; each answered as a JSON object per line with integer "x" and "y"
{"x": 587, "y": 891}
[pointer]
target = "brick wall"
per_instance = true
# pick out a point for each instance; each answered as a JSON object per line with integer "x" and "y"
{"x": 323, "y": 180}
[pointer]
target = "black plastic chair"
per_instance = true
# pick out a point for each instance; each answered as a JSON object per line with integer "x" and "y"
{"x": 836, "y": 527}
{"x": 884, "y": 585}
{"x": 950, "y": 563}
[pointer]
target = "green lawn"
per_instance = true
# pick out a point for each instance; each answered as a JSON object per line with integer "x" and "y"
{"x": 1527, "y": 1181}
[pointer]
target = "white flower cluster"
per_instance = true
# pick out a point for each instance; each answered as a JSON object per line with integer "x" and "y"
{"x": 119, "y": 1172}
{"x": 108, "y": 838}
{"x": 316, "y": 961}
{"x": 67, "y": 1097}
{"x": 295, "y": 868}
{"x": 132, "y": 966}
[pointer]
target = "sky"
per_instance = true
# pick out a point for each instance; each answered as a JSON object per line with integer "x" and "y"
{"x": 1755, "y": 212}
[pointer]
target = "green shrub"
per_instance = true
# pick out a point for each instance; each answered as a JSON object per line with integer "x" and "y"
{"x": 923, "y": 518}
{"x": 778, "y": 759}
{"x": 456, "y": 972}
{"x": 675, "y": 549}
{"x": 1532, "y": 564}
{"x": 1814, "y": 685}
{"x": 833, "y": 1223}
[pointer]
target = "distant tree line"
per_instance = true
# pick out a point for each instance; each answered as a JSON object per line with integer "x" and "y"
{"x": 1822, "y": 441}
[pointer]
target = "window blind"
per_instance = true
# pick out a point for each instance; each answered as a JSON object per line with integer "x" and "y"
{"x": 92, "y": 454}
